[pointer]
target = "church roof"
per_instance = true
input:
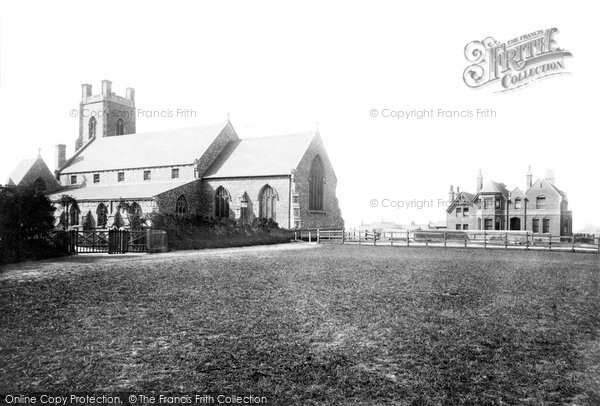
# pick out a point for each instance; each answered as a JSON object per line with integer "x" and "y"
{"x": 20, "y": 171}
{"x": 115, "y": 192}
{"x": 266, "y": 156}
{"x": 159, "y": 148}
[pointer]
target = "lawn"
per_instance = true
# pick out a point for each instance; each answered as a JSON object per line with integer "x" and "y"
{"x": 303, "y": 324}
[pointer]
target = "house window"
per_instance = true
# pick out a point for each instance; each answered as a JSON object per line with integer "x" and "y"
{"x": 120, "y": 176}
{"x": 487, "y": 203}
{"x": 465, "y": 212}
{"x": 546, "y": 226}
{"x": 535, "y": 225}
{"x": 465, "y": 226}
{"x": 488, "y": 224}
{"x": 316, "y": 180}
{"x": 120, "y": 127}
{"x": 96, "y": 178}
{"x": 181, "y": 205}
{"x": 174, "y": 173}
{"x": 517, "y": 203}
{"x": 222, "y": 200}
{"x": 458, "y": 211}
{"x": 540, "y": 202}
{"x": 457, "y": 227}
{"x": 92, "y": 127}
{"x": 295, "y": 199}
{"x": 147, "y": 175}
{"x": 73, "y": 179}
{"x": 498, "y": 205}
{"x": 479, "y": 224}
{"x": 268, "y": 203}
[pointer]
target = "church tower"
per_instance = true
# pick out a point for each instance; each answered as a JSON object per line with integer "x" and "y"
{"x": 105, "y": 114}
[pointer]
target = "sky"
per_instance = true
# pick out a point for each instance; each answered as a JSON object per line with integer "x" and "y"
{"x": 284, "y": 67}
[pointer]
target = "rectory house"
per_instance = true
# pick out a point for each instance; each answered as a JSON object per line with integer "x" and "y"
{"x": 540, "y": 208}
{"x": 204, "y": 170}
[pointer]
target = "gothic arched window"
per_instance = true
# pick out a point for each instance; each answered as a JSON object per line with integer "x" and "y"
{"x": 92, "y": 127}
{"x": 316, "y": 180}
{"x": 120, "y": 127}
{"x": 101, "y": 215}
{"x": 74, "y": 213}
{"x": 268, "y": 202}
{"x": 222, "y": 200}
{"x": 181, "y": 205}
{"x": 39, "y": 185}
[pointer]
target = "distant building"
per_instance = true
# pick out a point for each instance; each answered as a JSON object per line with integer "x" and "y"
{"x": 541, "y": 207}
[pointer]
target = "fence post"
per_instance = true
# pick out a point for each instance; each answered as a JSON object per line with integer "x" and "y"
{"x": 407, "y": 238}
{"x": 598, "y": 239}
{"x": 484, "y": 239}
{"x": 573, "y": 243}
{"x": 526, "y": 240}
{"x": 392, "y": 238}
{"x": 444, "y": 239}
{"x": 318, "y": 235}
{"x": 359, "y": 238}
{"x": 466, "y": 238}
{"x": 309, "y": 237}
{"x": 343, "y": 235}
{"x": 550, "y": 242}
{"x": 148, "y": 240}
{"x": 374, "y": 238}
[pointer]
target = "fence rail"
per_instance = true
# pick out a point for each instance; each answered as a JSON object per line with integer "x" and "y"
{"x": 454, "y": 239}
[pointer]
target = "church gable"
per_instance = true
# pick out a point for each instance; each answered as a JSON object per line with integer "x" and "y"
{"x": 34, "y": 173}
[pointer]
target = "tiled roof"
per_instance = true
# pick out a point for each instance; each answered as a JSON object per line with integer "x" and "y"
{"x": 20, "y": 171}
{"x": 160, "y": 148}
{"x": 115, "y": 192}
{"x": 261, "y": 156}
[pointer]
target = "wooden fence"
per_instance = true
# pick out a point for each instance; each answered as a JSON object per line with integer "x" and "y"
{"x": 112, "y": 241}
{"x": 453, "y": 239}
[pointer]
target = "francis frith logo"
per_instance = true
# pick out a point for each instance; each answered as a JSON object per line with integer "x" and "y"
{"x": 514, "y": 63}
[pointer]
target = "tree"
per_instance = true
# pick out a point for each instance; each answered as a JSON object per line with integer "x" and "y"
{"x": 118, "y": 220}
{"x": 88, "y": 221}
{"x": 25, "y": 216}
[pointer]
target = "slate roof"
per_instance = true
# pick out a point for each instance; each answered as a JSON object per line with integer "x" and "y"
{"x": 20, "y": 171}
{"x": 159, "y": 148}
{"x": 115, "y": 192}
{"x": 494, "y": 187}
{"x": 265, "y": 156}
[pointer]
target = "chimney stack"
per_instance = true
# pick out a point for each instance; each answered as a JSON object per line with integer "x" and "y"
{"x": 550, "y": 176}
{"x": 61, "y": 155}
{"x": 106, "y": 88}
{"x": 479, "y": 181}
{"x": 86, "y": 91}
{"x": 130, "y": 93}
{"x": 529, "y": 179}
{"x": 451, "y": 195}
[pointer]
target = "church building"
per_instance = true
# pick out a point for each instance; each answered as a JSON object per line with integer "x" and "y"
{"x": 540, "y": 208}
{"x": 205, "y": 170}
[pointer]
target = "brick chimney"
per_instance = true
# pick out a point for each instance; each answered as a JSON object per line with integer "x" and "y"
{"x": 528, "y": 179}
{"x": 479, "y": 181}
{"x": 61, "y": 155}
{"x": 451, "y": 195}
{"x": 130, "y": 93}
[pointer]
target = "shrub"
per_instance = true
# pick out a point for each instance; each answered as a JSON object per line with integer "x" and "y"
{"x": 118, "y": 220}
{"x": 88, "y": 221}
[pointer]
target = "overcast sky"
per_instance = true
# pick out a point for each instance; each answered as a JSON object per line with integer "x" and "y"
{"x": 282, "y": 67}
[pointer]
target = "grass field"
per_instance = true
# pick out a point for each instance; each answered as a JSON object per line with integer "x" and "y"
{"x": 310, "y": 324}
